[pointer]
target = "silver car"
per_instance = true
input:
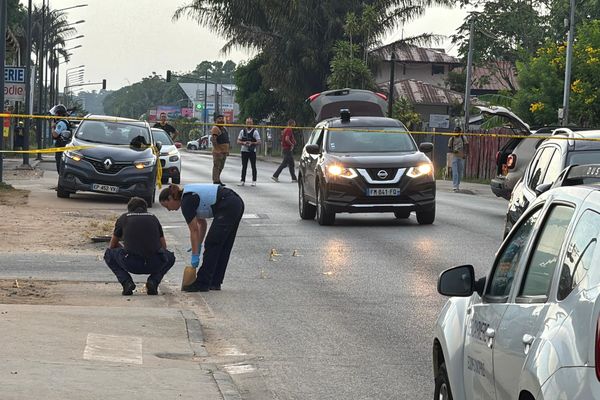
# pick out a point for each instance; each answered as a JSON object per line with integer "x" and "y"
{"x": 530, "y": 330}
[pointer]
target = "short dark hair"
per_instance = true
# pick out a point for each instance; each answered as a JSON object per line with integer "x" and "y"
{"x": 217, "y": 115}
{"x": 136, "y": 203}
{"x": 457, "y": 129}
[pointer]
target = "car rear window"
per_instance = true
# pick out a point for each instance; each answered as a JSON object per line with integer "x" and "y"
{"x": 584, "y": 157}
{"x": 116, "y": 133}
{"x": 370, "y": 140}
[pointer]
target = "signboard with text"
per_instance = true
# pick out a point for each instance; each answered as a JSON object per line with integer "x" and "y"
{"x": 439, "y": 121}
{"x": 14, "y": 83}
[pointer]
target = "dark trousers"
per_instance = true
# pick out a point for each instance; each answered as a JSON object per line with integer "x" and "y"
{"x": 58, "y": 155}
{"x": 121, "y": 264}
{"x": 248, "y": 155}
{"x": 288, "y": 161}
{"x": 219, "y": 240}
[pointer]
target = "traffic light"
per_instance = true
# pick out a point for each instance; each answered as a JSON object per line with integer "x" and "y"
{"x": 103, "y": 84}
{"x": 199, "y": 106}
{"x": 168, "y": 75}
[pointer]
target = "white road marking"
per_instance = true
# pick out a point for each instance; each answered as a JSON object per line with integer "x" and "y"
{"x": 237, "y": 369}
{"x": 111, "y": 348}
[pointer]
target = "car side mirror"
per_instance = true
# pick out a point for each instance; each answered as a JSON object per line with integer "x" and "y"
{"x": 457, "y": 281}
{"x": 312, "y": 149}
{"x": 426, "y": 147}
{"x": 539, "y": 189}
{"x": 159, "y": 145}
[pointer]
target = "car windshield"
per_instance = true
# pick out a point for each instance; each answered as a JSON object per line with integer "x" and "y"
{"x": 162, "y": 136}
{"x": 370, "y": 140}
{"x": 116, "y": 133}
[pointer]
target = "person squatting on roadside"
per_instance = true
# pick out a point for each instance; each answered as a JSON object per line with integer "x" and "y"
{"x": 199, "y": 202}
{"x": 458, "y": 145}
{"x": 219, "y": 138}
{"x": 165, "y": 126}
{"x": 287, "y": 147}
{"x": 62, "y": 128}
{"x": 145, "y": 249}
{"x": 249, "y": 138}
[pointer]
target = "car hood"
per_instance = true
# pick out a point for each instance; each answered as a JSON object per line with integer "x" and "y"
{"x": 376, "y": 160}
{"x": 506, "y": 114}
{"x": 166, "y": 148}
{"x": 116, "y": 153}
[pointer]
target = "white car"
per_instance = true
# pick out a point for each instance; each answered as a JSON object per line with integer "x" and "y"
{"x": 170, "y": 159}
{"x": 198, "y": 144}
{"x": 531, "y": 329}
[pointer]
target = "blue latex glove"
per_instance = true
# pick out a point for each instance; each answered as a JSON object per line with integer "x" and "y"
{"x": 195, "y": 260}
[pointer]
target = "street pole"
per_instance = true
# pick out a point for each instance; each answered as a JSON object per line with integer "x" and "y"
{"x": 468, "y": 82}
{"x": 38, "y": 132}
{"x": 392, "y": 78}
{"x": 569, "y": 61}
{"x": 3, "y": 12}
{"x": 27, "y": 88}
{"x": 205, "y": 110}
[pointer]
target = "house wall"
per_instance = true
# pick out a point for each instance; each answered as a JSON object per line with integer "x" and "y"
{"x": 421, "y": 72}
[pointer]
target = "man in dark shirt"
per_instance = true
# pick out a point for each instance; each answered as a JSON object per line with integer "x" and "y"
{"x": 145, "y": 249}
{"x": 165, "y": 126}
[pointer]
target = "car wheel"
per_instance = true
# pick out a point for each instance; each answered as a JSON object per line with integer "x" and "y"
{"x": 442, "y": 385}
{"x": 401, "y": 214}
{"x": 150, "y": 199}
{"x": 62, "y": 193}
{"x": 176, "y": 179}
{"x": 307, "y": 210}
{"x": 193, "y": 147}
{"x": 426, "y": 217}
{"x": 324, "y": 215}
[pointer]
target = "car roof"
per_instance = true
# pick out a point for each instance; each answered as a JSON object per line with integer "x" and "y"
{"x": 110, "y": 118}
{"x": 577, "y": 145}
{"x": 363, "y": 122}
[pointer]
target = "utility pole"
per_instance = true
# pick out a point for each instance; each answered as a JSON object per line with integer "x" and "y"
{"x": 569, "y": 61}
{"x": 205, "y": 111}
{"x": 392, "y": 78}
{"x": 468, "y": 82}
{"x": 27, "y": 88}
{"x": 3, "y": 12}
{"x": 38, "y": 132}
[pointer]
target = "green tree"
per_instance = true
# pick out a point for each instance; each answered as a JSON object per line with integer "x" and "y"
{"x": 255, "y": 99}
{"x": 404, "y": 111}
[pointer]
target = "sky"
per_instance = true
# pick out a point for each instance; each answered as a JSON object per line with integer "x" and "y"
{"x": 127, "y": 40}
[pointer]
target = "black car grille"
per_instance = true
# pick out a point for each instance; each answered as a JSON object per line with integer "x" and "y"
{"x": 114, "y": 168}
{"x": 374, "y": 173}
{"x": 162, "y": 163}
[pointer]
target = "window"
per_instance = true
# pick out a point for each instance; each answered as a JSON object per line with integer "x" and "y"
{"x": 544, "y": 259}
{"x": 580, "y": 253}
{"x": 539, "y": 166}
{"x": 370, "y": 140}
{"x": 554, "y": 168}
{"x": 506, "y": 266}
{"x": 437, "y": 69}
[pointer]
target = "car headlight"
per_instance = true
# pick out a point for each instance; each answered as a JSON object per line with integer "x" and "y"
{"x": 73, "y": 155}
{"x": 173, "y": 152}
{"x": 338, "y": 170}
{"x": 173, "y": 158}
{"x": 145, "y": 163}
{"x": 420, "y": 170}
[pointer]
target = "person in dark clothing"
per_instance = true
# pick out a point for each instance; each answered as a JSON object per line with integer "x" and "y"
{"x": 165, "y": 126}
{"x": 61, "y": 132}
{"x": 145, "y": 250}
{"x": 219, "y": 138}
{"x": 287, "y": 147}
{"x": 197, "y": 203}
{"x": 19, "y": 135}
{"x": 249, "y": 138}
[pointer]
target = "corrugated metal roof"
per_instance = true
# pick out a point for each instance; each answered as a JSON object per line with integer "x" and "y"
{"x": 418, "y": 92}
{"x": 414, "y": 54}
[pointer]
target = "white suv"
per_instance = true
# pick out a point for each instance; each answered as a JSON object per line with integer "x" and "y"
{"x": 530, "y": 330}
{"x": 170, "y": 159}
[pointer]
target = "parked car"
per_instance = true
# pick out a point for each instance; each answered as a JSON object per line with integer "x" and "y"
{"x": 530, "y": 330}
{"x": 551, "y": 157}
{"x": 119, "y": 161}
{"x": 170, "y": 159}
{"x": 198, "y": 144}
{"x": 357, "y": 163}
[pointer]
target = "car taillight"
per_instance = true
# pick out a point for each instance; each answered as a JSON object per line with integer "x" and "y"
{"x": 383, "y": 96}
{"x": 497, "y": 157}
{"x": 511, "y": 161}
{"x": 313, "y": 97}
{"x": 598, "y": 349}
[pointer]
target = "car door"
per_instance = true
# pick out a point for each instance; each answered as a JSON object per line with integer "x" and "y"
{"x": 523, "y": 321}
{"x": 312, "y": 161}
{"x": 484, "y": 316}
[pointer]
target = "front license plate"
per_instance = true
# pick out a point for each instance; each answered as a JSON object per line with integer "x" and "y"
{"x": 383, "y": 192}
{"x": 105, "y": 188}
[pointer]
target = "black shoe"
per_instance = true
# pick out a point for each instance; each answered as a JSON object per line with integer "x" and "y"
{"x": 219, "y": 183}
{"x": 128, "y": 288}
{"x": 215, "y": 287}
{"x": 194, "y": 287}
{"x": 151, "y": 288}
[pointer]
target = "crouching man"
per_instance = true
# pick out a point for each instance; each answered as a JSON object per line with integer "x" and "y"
{"x": 145, "y": 249}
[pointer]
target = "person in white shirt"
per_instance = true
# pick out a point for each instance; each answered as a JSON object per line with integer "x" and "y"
{"x": 249, "y": 138}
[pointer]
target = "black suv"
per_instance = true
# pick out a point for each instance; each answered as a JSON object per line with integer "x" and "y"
{"x": 551, "y": 157}
{"x": 359, "y": 164}
{"x": 119, "y": 161}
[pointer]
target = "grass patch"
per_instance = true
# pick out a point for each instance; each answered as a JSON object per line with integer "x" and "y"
{"x": 6, "y": 186}
{"x": 9, "y": 196}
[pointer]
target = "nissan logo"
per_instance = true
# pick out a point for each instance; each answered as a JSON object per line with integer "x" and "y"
{"x": 107, "y": 163}
{"x": 382, "y": 174}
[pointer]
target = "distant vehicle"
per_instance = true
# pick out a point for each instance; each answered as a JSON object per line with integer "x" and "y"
{"x": 363, "y": 162}
{"x": 120, "y": 161}
{"x": 170, "y": 159}
{"x": 198, "y": 144}
{"x": 530, "y": 330}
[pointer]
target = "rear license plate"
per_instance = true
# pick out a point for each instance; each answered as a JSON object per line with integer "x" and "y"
{"x": 383, "y": 192}
{"x": 105, "y": 188}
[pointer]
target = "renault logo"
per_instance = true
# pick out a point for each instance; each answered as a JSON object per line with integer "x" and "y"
{"x": 107, "y": 163}
{"x": 382, "y": 174}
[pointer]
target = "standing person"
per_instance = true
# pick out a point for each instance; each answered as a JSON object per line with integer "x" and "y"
{"x": 165, "y": 126}
{"x": 145, "y": 250}
{"x": 249, "y": 138}
{"x": 287, "y": 147}
{"x": 19, "y": 135}
{"x": 61, "y": 132}
{"x": 219, "y": 138}
{"x": 199, "y": 202}
{"x": 458, "y": 145}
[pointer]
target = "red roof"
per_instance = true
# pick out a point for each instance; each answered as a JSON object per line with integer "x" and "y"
{"x": 418, "y": 92}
